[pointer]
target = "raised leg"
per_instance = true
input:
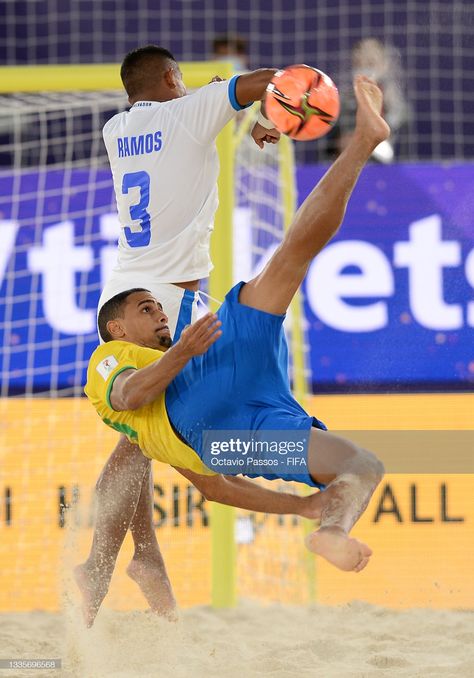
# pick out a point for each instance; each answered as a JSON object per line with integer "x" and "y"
{"x": 117, "y": 495}
{"x": 352, "y": 474}
{"x": 321, "y": 214}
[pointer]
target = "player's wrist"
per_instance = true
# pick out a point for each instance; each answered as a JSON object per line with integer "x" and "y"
{"x": 264, "y": 122}
{"x": 182, "y": 351}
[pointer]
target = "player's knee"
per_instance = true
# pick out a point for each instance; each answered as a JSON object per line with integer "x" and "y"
{"x": 370, "y": 465}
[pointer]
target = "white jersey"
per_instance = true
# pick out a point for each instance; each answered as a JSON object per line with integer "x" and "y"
{"x": 165, "y": 167}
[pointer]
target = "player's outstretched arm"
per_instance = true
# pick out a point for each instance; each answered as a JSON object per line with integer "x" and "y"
{"x": 134, "y": 388}
{"x": 247, "y": 494}
{"x": 251, "y": 87}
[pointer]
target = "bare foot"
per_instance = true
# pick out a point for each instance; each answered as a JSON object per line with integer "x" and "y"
{"x": 154, "y": 584}
{"x": 93, "y": 587}
{"x": 369, "y": 121}
{"x": 333, "y": 544}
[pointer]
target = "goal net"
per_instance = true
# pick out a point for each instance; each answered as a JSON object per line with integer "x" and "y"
{"x": 59, "y": 231}
{"x": 272, "y": 563}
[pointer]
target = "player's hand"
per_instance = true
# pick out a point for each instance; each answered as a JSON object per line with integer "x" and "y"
{"x": 216, "y": 78}
{"x": 262, "y": 135}
{"x": 195, "y": 339}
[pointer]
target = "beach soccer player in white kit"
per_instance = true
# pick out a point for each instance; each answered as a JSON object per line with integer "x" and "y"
{"x": 165, "y": 167}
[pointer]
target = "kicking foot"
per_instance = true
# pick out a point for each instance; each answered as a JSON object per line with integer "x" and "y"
{"x": 370, "y": 123}
{"x": 333, "y": 544}
{"x": 150, "y": 576}
{"x": 93, "y": 587}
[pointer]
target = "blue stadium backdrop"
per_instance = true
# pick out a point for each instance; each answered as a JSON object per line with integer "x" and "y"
{"x": 389, "y": 303}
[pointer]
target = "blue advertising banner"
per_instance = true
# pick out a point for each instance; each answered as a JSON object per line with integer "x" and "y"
{"x": 388, "y": 303}
{"x": 58, "y": 245}
{"x": 390, "y": 300}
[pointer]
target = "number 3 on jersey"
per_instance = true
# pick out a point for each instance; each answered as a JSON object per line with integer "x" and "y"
{"x": 138, "y": 211}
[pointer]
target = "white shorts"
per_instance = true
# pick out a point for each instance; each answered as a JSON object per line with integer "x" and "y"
{"x": 179, "y": 304}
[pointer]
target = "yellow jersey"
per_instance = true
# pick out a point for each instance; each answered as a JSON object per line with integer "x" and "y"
{"x": 148, "y": 426}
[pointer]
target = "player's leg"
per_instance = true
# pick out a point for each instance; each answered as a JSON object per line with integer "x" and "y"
{"x": 147, "y": 567}
{"x": 321, "y": 214}
{"x": 117, "y": 496}
{"x": 351, "y": 475}
{"x": 120, "y": 483}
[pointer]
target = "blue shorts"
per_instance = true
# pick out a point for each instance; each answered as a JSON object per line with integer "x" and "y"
{"x": 241, "y": 384}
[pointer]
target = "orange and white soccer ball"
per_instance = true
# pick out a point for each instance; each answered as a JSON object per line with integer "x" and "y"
{"x": 302, "y": 102}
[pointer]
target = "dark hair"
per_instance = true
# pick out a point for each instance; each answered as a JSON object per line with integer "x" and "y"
{"x": 235, "y": 42}
{"x": 113, "y": 308}
{"x": 135, "y": 69}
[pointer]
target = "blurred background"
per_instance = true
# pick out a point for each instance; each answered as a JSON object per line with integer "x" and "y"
{"x": 388, "y": 307}
{"x": 428, "y": 43}
{"x": 410, "y": 216}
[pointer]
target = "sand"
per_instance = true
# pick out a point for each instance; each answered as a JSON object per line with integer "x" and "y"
{"x": 356, "y": 640}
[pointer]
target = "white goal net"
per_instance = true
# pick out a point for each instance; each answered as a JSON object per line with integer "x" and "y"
{"x": 59, "y": 232}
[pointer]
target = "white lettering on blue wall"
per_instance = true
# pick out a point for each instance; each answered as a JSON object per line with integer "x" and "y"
{"x": 329, "y": 287}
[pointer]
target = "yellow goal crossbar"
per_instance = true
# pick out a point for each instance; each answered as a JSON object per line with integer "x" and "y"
{"x": 90, "y": 77}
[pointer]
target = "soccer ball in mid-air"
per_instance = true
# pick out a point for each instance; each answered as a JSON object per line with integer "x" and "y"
{"x": 302, "y": 102}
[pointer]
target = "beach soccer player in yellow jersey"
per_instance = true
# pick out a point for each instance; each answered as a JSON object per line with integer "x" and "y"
{"x": 221, "y": 392}
{"x": 165, "y": 166}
